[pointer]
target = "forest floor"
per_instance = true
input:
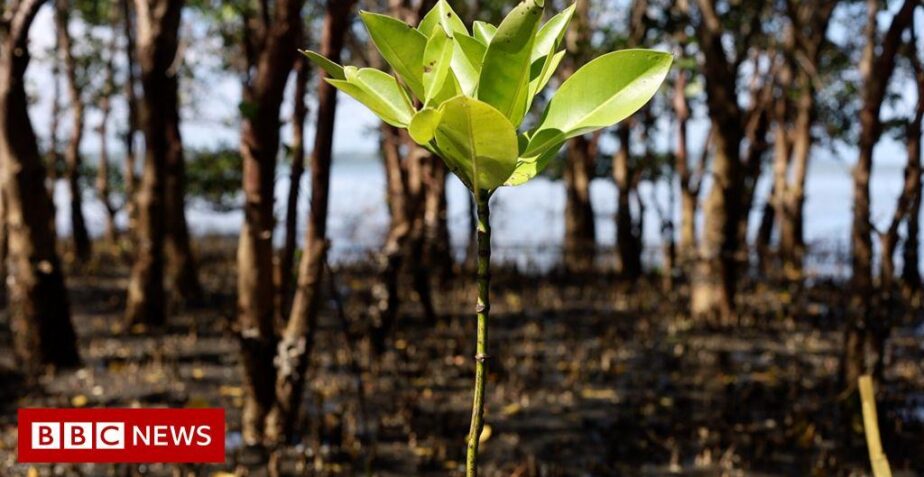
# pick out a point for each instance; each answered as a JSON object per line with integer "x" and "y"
{"x": 590, "y": 376}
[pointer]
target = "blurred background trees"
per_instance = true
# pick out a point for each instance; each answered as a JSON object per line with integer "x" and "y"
{"x": 720, "y": 166}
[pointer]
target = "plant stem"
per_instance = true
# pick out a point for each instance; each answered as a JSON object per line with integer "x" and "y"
{"x": 482, "y": 310}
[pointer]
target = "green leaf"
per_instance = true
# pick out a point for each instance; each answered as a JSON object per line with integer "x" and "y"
{"x": 450, "y": 89}
{"x": 504, "y": 80}
{"x": 442, "y": 14}
{"x": 546, "y": 67}
{"x": 531, "y": 167}
{"x": 402, "y": 47}
{"x": 332, "y": 69}
{"x": 478, "y": 143}
{"x": 600, "y": 94}
{"x": 467, "y": 56}
{"x": 484, "y": 32}
{"x": 423, "y": 125}
{"x": 378, "y": 91}
{"x": 436, "y": 61}
{"x": 550, "y": 35}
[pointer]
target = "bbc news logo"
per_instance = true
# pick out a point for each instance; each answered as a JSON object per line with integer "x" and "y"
{"x": 121, "y": 435}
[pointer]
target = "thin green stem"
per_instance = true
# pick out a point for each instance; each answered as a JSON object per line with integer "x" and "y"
{"x": 482, "y": 310}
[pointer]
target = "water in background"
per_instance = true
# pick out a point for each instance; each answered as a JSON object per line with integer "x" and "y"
{"x": 528, "y": 222}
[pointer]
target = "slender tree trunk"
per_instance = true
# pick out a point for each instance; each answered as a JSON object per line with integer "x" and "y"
{"x": 713, "y": 290}
{"x": 792, "y": 242}
{"x": 863, "y": 338}
{"x": 406, "y": 242}
{"x": 295, "y": 346}
{"x": 437, "y": 240}
{"x": 182, "y": 270}
{"x": 39, "y": 308}
{"x": 102, "y": 173}
{"x": 300, "y": 112}
{"x": 131, "y": 98}
{"x": 158, "y": 31}
{"x": 54, "y": 149}
{"x": 580, "y": 230}
{"x": 4, "y": 244}
{"x": 689, "y": 188}
{"x": 910, "y": 194}
{"x": 715, "y": 274}
{"x": 628, "y": 240}
{"x": 79, "y": 235}
{"x": 911, "y": 274}
{"x": 269, "y": 39}
{"x": 105, "y": 106}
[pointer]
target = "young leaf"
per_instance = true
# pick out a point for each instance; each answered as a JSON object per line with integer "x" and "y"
{"x": 423, "y": 125}
{"x": 478, "y": 143}
{"x": 450, "y": 89}
{"x": 600, "y": 94}
{"x": 436, "y": 60}
{"x": 484, "y": 32}
{"x": 467, "y": 56}
{"x": 379, "y": 92}
{"x": 504, "y": 80}
{"x": 549, "y": 36}
{"x": 442, "y": 14}
{"x": 333, "y": 70}
{"x": 546, "y": 67}
{"x": 531, "y": 167}
{"x": 401, "y": 45}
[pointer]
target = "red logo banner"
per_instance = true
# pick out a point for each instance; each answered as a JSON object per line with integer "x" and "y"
{"x": 121, "y": 435}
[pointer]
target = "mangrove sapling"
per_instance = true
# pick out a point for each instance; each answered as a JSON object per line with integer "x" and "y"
{"x": 471, "y": 91}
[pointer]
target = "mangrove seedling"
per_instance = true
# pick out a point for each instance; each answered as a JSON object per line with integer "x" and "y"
{"x": 462, "y": 94}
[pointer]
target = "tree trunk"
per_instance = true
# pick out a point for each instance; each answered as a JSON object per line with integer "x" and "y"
{"x": 689, "y": 187}
{"x": 39, "y": 308}
{"x": 715, "y": 274}
{"x": 105, "y": 105}
{"x": 158, "y": 31}
{"x": 102, "y": 173}
{"x": 72, "y": 159}
{"x": 792, "y": 241}
{"x": 437, "y": 240}
{"x": 580, "y": 231}
{"x": 876, "y": 68}
{"x": 269, "y": 39}
{"x": 295, "y": 346}
{"x": 287, "y": 257}
{"x": 628, "y": 239}
{"x": 911, "y": 275}
{"x": 181, "y": 264}
{"x": 131, "y": 98}
{"x": 714, "y": 282}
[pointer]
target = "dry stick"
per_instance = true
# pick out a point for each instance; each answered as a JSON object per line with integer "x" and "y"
{"x": 877, "y": 458}
{"x": 482, "y": 310}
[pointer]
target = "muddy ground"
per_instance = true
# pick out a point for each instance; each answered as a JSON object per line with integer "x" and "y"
{"x": 591, "y": 376}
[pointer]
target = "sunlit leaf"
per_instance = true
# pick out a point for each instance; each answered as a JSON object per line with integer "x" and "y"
{"x": 467, "y": 56}
{"x": 436, "y": 61}
{"x": 479, "y": 144}
{"x": 401, "y": 46}
{"x": 551, "y": 33}
{"x": 484, "y": 32}
{"x": 527, "y": 168}
{"x": 332, "y": 69}
{"x": 504, "y": 80}
{"x": 600, "y": 94}
{"x": 379, "y": 92}
{"x": 442, "y": 14}
{"x": 424, "y": 124}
